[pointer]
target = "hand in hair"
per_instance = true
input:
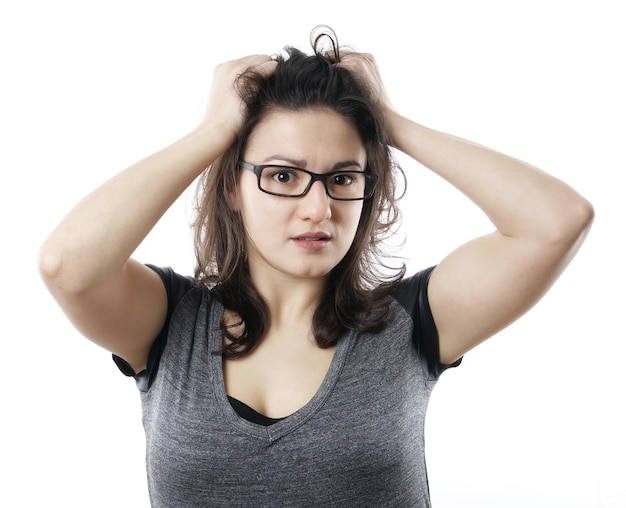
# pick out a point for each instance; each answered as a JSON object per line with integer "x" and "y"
{"x": 364, "y": 66}
{"x": 224, "y": 108}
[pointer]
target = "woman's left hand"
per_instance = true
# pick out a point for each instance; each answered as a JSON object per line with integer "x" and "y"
{"x": 365, "y": 67}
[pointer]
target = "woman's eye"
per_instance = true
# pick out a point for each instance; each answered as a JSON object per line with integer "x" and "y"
{"x": 284, "y": 177}
{"x": 343, "y": 179}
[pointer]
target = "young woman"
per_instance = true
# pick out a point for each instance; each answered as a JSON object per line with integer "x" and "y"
{"x": 290, "y": 371}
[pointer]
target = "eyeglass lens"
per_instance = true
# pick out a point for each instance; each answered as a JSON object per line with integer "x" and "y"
{"x": 295, "y": 182}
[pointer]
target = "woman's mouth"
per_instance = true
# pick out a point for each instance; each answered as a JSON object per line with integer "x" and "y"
{"x": 312, "y": 241}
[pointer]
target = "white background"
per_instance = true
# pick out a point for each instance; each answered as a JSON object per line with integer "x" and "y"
{"x": 535, "y": 417}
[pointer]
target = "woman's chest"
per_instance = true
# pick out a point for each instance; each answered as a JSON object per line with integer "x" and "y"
{"x": 277, "y": 381}
{"x": 361, "y": 424}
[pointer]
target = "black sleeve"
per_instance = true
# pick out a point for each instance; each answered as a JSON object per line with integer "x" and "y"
{"x": 175, "y": 286}
{"x": 412, "y": 294}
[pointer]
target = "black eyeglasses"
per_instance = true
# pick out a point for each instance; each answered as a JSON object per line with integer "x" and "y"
{"x": 295, "y": 182}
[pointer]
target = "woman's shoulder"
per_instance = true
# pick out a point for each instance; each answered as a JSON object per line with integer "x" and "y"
{"x": 411, "y": 292}
{"x": 176, "y": 285}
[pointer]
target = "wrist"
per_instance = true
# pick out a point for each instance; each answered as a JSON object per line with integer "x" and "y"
{"x": 393, "y": 127}
{"x": 214, "y": 138}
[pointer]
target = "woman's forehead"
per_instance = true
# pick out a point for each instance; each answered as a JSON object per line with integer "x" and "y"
{"x": 305, "y": 137}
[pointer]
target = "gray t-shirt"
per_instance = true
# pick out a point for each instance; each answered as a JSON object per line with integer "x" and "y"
{"x": 358, "y": 442}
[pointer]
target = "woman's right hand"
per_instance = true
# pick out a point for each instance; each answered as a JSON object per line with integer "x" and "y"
{"x": 225, "y": 107}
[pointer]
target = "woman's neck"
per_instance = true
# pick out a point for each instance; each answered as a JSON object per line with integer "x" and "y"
{"x": 290, "y": 301}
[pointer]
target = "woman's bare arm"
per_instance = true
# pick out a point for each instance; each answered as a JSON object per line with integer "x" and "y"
{"x": 540, "y": 222}
{"x": 86, "y": 261}
{"x": 484, "y": 285}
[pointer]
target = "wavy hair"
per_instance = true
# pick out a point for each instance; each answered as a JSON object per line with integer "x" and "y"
{"x": 357, "y": 294}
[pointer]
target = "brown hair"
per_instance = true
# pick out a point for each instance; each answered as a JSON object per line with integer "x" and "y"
{"x": 357, "y": 295}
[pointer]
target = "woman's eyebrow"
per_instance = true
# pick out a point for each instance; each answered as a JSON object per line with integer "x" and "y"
{"x": 301, "y": 163}
{"x": 346, "y": 164}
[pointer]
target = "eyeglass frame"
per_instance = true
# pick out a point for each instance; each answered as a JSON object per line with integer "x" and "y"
{"x": 257, "y": 169}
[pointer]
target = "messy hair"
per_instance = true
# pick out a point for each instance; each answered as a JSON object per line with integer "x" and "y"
{"x": 357, "y": 294}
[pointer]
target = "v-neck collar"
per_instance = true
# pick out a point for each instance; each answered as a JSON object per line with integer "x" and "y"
{"x": 291, "y": 422}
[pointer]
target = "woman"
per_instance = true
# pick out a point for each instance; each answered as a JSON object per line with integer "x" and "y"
{"x": 290, "y": 371}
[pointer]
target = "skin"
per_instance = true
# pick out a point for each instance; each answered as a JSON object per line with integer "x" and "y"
{"x": 474, "y": 292}
{"x": 540, "y": 221}
{"x": 110, "y": 298}
{"x": 290, "y": 273}
{"x": 315, "y": 140}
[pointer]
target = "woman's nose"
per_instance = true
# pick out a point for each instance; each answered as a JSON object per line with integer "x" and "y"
{"x": 315, "y": 205}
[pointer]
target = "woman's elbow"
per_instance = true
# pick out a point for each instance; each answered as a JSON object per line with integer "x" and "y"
{"x": 570, "y": 228}
{"x": 580, "y": 218}
{"x": 54, "y": 269}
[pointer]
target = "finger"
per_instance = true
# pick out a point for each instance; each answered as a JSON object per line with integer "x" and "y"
{"x": 248, "y": 62}
{"x": 267, "y": 68}
{"x": 355, "y": 61}
{"x": 253, "y": 60}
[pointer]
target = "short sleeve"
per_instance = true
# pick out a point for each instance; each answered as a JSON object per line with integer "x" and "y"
{"x": 176, "y": 286}
{"x": 412, "y": 294}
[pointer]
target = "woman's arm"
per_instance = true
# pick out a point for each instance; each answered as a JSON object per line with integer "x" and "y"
{"x": 85, "y": 262}
{"x": 484, "y": 285}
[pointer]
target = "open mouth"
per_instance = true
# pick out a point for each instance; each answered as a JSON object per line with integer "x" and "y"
{"x": 312, "y": 240}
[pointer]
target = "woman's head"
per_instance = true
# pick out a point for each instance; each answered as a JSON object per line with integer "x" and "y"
{"x": 300, "y": 84}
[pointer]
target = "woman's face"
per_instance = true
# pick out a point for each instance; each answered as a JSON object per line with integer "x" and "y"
{"x": 301, "y": 237}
